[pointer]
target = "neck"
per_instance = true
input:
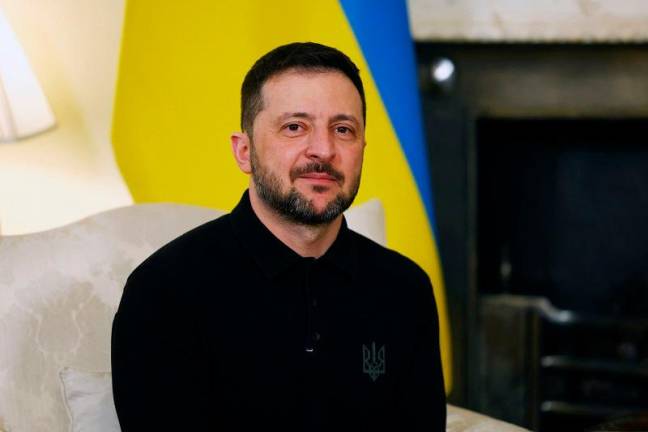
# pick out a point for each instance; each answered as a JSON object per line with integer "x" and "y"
{"x": 305, "y": 240}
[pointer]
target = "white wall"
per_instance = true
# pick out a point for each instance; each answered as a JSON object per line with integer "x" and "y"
{"x": 530, "y": 20}
{"x": 69, "y": 172}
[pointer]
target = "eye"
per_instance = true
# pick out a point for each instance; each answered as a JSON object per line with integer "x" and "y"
{"x": 293, "y": 127}
{"x": 344, "y": 131}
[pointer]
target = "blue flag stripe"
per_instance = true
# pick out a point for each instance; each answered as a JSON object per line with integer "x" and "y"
{"x": 382, "y": 31}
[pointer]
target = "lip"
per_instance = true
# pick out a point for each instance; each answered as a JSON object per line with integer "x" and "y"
{"x": 317, "y": 177}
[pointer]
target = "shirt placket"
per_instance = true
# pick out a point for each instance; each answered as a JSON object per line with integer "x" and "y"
{"x": 313, "y": 335}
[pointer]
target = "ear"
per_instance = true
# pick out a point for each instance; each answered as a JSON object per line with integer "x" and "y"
{"x": 241, "y": 149}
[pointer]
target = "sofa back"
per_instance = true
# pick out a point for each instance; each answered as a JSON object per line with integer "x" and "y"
{"x": 59, "y": 290}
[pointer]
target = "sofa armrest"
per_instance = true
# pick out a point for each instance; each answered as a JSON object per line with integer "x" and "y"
{"x": 463, "y": 420}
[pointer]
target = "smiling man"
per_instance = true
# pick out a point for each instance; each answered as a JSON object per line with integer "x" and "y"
{"x": 277, "y": 316}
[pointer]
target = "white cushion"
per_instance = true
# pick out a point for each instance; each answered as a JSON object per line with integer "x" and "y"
{"x": 368, "y": 219}
{"x": 89, "y": 401}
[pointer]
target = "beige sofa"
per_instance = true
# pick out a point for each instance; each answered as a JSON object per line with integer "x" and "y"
{"x": 58, "y": 292}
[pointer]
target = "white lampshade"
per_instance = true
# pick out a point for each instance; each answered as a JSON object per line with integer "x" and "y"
{"x": 24, "y": 111}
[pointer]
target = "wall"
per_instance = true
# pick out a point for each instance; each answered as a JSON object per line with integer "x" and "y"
{"x": 69, "y": 172}
{"x": 531, "y": 20}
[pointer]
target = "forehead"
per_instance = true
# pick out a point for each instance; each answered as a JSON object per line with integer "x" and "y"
{"x": 328, "y": 88}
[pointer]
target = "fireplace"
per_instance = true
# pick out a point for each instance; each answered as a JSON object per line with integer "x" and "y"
{"x": 539, "y": 156}
{"x": 563, "y": 257}
{"x": 563, "y": 212}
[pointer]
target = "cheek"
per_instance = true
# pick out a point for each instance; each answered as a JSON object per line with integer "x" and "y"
{"x": 354, "y": 160}
{"x": 275, "y": 157}
{"x": 282, "y": 163}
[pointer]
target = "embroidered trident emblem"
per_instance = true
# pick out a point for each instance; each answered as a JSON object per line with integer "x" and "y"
{"x": 373, "y": 362}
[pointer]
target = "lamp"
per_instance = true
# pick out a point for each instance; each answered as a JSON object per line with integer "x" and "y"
{"x": 24, "y": 111}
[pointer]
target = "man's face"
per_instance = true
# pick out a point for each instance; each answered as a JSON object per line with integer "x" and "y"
{"x": 308, "y": 145}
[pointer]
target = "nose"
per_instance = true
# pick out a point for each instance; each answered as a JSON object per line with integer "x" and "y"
{"x": 321, "y": 146}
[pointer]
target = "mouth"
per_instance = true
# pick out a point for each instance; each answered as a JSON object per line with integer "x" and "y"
{"x": 318, "y": 174}
{"x": 320, "y": 178}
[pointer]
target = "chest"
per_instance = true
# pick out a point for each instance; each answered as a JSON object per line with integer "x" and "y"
{"x": 303, "y": 332}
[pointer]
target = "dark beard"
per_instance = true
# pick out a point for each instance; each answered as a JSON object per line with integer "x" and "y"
{"x": 294, "y": 206}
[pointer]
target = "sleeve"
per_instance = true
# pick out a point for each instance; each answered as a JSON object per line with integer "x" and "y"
{"x": 422, "y": 399}
{"x": 158, "y": 369}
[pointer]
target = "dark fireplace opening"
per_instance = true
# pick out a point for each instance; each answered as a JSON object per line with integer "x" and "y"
{"x": 562, "y": 252}
{"x": 563, "y": 212}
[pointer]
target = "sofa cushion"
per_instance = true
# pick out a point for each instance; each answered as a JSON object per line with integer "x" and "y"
{"x": 89, "y": 401}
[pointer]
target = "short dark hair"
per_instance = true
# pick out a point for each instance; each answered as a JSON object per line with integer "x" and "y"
{"x": 309, "y": 56}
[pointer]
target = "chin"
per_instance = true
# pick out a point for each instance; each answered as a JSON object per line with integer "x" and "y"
{"x": 323, "y": 197}
{"x": 319, "y": 206}
{"x": 320, "y": 190}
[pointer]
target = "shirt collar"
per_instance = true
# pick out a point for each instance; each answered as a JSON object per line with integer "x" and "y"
{"x": 274, "y": 257}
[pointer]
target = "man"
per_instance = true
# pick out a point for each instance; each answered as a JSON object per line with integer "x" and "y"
{"x": 277, "y": 316}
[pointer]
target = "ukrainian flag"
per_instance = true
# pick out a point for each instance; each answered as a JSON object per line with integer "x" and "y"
{"x": 181, "y": 69}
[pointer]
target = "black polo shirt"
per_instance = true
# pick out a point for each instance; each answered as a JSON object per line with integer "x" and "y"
{"x": 226, "y": 328}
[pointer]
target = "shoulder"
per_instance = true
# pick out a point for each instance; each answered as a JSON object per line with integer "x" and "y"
{"x": 206, "y": 241}
{"x": 387, "y": 262}
{"x": 396, "y": 278}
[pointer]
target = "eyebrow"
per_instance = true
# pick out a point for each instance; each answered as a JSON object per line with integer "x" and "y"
{"x": 305, "y": 115}
{"x": 347, "y": 117}
{"x": 288, "y": 115}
